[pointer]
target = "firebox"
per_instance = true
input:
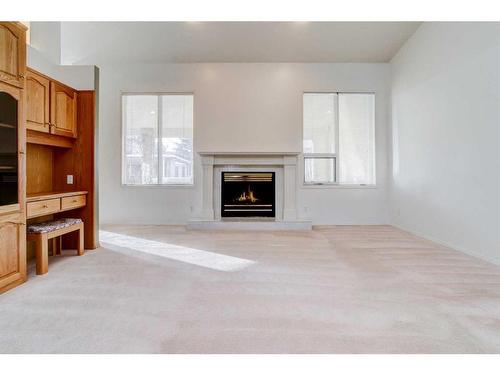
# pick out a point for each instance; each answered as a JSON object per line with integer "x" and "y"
{"x": 248, "y": 194}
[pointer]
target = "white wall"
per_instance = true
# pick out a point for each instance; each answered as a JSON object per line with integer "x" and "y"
{"x": 80, "y": 77}
{"x": 239, "y": 107}
{"x": 44, "y": 55}
{"x": 46, "y": 38}
{"x": 446, "y": 138}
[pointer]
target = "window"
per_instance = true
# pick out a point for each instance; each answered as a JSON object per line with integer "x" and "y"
{"x": 158, "y": 139}
{"x": 339, "y": 138}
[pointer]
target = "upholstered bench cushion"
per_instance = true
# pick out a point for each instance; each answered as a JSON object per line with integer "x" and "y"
{"x": 50, "y": 226}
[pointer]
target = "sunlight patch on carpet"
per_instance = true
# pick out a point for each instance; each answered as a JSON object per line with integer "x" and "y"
{"x": 202, "y": 258}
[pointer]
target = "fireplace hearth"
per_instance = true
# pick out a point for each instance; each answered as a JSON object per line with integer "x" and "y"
{"x": 248, "y": 194}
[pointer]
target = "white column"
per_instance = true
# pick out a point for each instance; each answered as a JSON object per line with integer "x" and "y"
{"x": 207, "y": 212}
{"x": 290, "y": 188}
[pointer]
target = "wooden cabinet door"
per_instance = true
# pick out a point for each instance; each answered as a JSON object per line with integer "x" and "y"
{"x": 12, "y": 187}
{"x": 37, "y": 102}
{"x": 12, "y": 53}
{"x": 12, "y": 251}
{"x": 12, "y": 149}
{"x": 62, "y": 110}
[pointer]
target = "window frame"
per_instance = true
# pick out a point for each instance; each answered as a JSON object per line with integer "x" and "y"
{"x": 160, "y": 164}
{"x": 336, "y": 156}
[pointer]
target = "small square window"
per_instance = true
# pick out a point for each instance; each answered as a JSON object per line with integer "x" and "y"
{"x": 319, "y": 170}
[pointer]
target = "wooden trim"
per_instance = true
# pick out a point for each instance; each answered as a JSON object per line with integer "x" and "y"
{"x": 39, "y": 138}
{"x": 20, "y": 25}
{"x": 45, "y": 128}
{"x": 16, "y": 207}
{"x": 14, "y": 280}
{"x": 11, "y": 218}
{"x": 72, "y": 208}
{"x": 15, "y": 92}
{"x": 7, "y": 282}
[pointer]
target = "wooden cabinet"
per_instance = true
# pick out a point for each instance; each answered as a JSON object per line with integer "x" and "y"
{"x": 12, "y": 250}
{"x": 62, "y": 110}
{"x": 51, "y": 106}
{"x": 12, "y": 186}
{"x": 12, "y": 53}
{"x": 37, "y": 102}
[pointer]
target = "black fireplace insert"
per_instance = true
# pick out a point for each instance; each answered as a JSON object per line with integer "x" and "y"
{"x": 248, "y": 194}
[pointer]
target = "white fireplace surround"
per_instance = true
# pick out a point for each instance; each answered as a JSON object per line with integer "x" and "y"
{"x": 285, "y": 167}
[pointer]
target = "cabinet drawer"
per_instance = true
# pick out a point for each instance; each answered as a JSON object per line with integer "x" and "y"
{"x": 45, "y": 207}
{"x": 68, "y": 203}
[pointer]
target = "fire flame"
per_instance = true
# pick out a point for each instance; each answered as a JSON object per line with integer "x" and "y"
{"x": 247, "y": 196}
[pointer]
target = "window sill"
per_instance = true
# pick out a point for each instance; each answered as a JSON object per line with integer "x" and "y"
{"x": 338, "y": 186}
{"x": 182, "y": 186}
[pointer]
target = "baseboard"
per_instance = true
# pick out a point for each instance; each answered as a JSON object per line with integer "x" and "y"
{"x": 248, "y": 225}
{"x": 446, "y": 244}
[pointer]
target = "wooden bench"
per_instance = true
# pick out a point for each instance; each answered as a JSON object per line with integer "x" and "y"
{"x": 41, "y": 233}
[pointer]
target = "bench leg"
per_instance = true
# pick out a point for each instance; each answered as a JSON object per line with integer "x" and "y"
{"x": 42, "y": 254}
{"x": 80, "y": 240}
{"x": 59, "y": 245}
{"x": 56, "y": 245}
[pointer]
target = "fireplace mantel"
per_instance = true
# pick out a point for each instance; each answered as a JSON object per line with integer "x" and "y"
{"x": 245, "y": 158}
{"x": 244, "y": 153}
{"x": 284, "y": 164}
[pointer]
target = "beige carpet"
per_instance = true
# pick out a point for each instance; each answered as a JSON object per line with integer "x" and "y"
{"x": 351, "y": 289}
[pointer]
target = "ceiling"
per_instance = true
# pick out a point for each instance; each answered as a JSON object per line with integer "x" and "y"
{"x": 190, "y": 42}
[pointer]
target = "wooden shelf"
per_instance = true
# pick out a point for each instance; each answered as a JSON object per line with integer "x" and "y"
{"x": 52, "y": 195}
{"x": 40, "y": 138}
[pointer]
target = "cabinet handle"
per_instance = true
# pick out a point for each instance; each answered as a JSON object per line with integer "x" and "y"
{"x": 21, "y": 76}
{"x": 45, "y": 206}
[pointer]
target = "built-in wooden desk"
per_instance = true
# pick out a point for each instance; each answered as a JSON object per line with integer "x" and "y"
{"x": 41, "y": 204}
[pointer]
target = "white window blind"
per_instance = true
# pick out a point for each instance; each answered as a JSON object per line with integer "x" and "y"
{"x": 158, "y": 139}
{"x": 356, "y": 139}
{"x": 338, "y": 138}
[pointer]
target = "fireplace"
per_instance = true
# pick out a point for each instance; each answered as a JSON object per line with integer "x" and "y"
{"x": 248, "y": 194}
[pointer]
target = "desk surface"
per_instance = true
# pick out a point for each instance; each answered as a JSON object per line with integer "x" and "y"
{"x": 52, "y": 195}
